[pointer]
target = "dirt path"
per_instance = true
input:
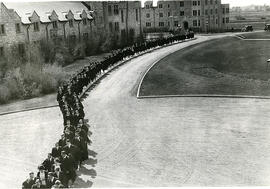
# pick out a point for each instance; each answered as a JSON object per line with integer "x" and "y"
{"x": 174, "y": 141}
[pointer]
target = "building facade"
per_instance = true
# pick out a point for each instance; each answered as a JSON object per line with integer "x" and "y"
{"x": 122, "y": 18}
{"x": 200, "y": 15}
{"x": 24, "y": 23}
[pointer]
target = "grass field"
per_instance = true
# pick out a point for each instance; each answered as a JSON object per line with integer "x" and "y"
{"x": 226, "y": 66}
{"x": 257, "y": 35}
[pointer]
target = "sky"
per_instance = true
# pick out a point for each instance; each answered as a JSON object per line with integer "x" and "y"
{"x": 234, "y": 3}
{"x": 231, "y": 2}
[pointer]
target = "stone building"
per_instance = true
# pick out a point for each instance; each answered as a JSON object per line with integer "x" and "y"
{"x": 122, "y": 18}
{"x": 26, "y": 22}
{"x": 200, "y": 15}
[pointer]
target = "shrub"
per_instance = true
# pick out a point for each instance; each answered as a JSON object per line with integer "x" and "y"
{"x": 48, "y": 84}
{"x": 4, "y": 94}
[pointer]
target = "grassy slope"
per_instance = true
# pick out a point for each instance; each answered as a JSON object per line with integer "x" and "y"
{"x": 226, "y": 66}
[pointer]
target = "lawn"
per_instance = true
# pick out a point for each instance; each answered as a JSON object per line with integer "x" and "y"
{"x": 257, "y": 35}
{"x": 227, "y": 66}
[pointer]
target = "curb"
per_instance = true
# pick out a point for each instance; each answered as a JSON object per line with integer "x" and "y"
{"x": 29, "y": 109}
{"x": 205, "y": 96}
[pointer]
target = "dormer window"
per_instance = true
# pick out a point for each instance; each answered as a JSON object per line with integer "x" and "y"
{"x": 84, "y": 21}
{"x": 70, "y": 23}
{"x": 54, "y": 23}
{"x": 36, "y": 26}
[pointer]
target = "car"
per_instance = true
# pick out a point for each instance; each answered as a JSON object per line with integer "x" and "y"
{"x": 247, "y": 28}
{"x": 267, "y": 27}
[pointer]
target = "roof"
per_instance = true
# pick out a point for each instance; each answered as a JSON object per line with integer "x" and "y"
{"x": 44, "y": 10}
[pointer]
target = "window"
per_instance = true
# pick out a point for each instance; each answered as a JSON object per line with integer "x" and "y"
{"x": 175, "y": 23}
{"x": 18, "y": 27}
{"x": 85, "y": 36}
{"x": 122, "y": 16}
{"x": 84, "y": 21}
{"x": 206, "y": 12}
{"x": 211, "y": 2}
{"x": 169, "y": 14}
{"x": 216, "y": 11}
{"x": 206, "y": 2}
{"x": 182, "y": 13}
{"x": 194, "y": 3}
{"x": 109, "y": 9}
{"x": 195, "y": 23}
{"x": 216, "y": 2}
{"x": 199, "y": 12}
{"x": 70, "y": 23}
{"x": 211, "y": 11}
{"x": 223, "y": 11}
{"x": 21, "y": 49}
{"x": 227, "y": 20}
{"x": 36, "y": 26}
{"x": 147, "y": 15}
{"x": 199, "y": 22}
{"x": 72, "y": 38}
{"x": 54, "y": 23}
{"x": 194, "y": 12}
{"x": 182, "y": 3}
{"x": 115, "y": 9}
{"x": 2, "y": 53}
{"x": 148, "y": 24}
{"x": 116, "y": 26}
{"x": 161, "y": 24}
{"x": 2, "y": 29}
{"x": 147, "y": 6}
{"x": 199, "y": 3}
{"x": 168, "y": 5}
{"x": 160, "y": 14}
{"x": 216, "y": 21}
{"x": 160, "y": 6}
{"x": 227, "y": 10}
{"x": 110, "y": 27}
{"x": 223, "y": 20}
{"x": 123, "y": 34}
{"x": 137, "y": 15}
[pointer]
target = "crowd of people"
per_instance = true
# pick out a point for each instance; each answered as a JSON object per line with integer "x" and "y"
{"x": 58, "y": 170}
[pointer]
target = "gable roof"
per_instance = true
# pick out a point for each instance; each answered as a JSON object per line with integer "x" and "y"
{"x": 45, "y": 9}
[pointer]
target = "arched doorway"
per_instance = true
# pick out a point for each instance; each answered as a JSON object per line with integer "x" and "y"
{"x": 185, "y": 24}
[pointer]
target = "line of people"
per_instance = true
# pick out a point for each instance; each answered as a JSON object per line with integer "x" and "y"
{"x": 58, "y": 170}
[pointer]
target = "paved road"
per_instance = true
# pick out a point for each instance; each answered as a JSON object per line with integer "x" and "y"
{"x": 174, "y": 141}
{"x": 25, "y": 140}
{"x": 149, "y": 142}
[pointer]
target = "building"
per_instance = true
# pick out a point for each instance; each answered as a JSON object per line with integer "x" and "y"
{"x": 122, "y": 18}
{"x": 200, "y": 15}
{"x": 27, "y": 22}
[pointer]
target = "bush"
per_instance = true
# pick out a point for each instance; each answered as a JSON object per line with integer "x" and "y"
{"x": 4, "y": 94}
{"x": 48, "y": 84}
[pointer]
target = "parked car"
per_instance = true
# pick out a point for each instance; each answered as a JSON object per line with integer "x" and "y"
{"x": 267, "y": 27}
{"x": 247, "y": 28}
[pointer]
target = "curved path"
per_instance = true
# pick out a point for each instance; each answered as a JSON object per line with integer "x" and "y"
{"x": 174, "y": 141}
{"x": 148, "y": 142}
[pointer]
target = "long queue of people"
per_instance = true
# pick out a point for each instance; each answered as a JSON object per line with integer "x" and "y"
{"x": 58, "y": 170}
